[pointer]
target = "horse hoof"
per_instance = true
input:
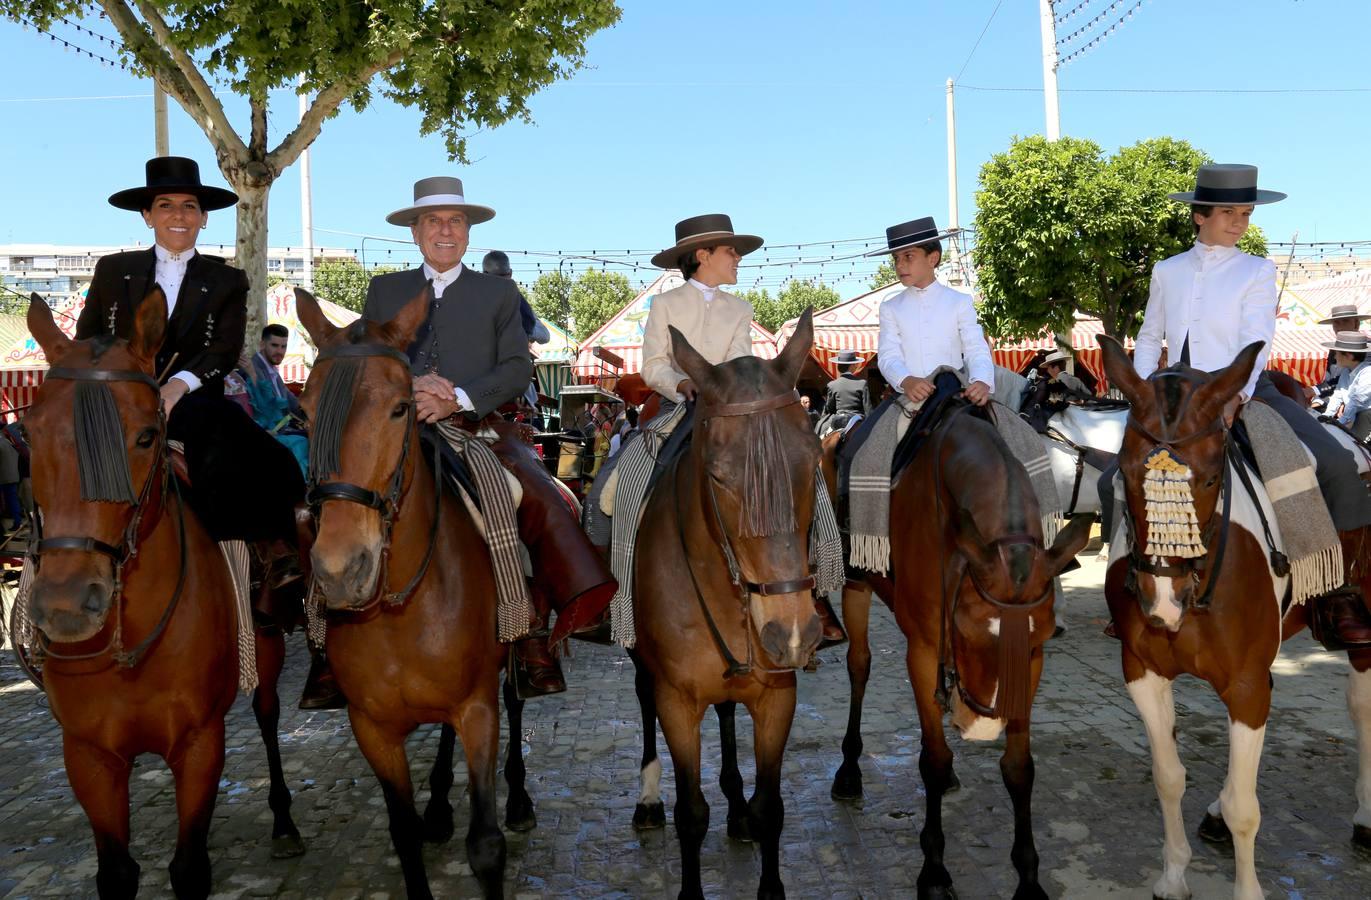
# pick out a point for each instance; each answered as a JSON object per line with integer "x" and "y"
{"x": 287, "y": 846}
{"x": 1361, "y": 837}
{"x": 648, "y": 816}
{"x": 1214, "y": 830}
{"x": 740, "y": 829}
{"x": 847, "y": 788}
{"x": 1030, "y": 892}
{"x": 438, "y": 829}
{"x": 937, "y": 892}
{"x": 954, "y": 784}
{"x": 521, "y": 821}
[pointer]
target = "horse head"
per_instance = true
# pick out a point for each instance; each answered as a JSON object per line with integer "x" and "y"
{"x": 359, "y": 401}
{"x": 100, "y": 409}
{"x": 755, "y": 457}
{"x": 1173, "y": 459}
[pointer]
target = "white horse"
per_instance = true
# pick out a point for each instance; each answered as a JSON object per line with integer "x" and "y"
{"x": 1070, "y": 432}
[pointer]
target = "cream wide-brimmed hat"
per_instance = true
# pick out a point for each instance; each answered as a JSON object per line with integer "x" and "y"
{"x": 440, "y": 192}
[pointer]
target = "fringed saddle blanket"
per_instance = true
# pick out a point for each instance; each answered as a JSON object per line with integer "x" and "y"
{"x": 871, "y": 477}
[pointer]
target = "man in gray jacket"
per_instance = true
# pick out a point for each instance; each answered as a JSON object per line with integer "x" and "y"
{"x": 470, "y": 358}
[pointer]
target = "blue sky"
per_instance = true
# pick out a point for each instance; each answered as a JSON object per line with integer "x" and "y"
{"x": 806, "y": 121}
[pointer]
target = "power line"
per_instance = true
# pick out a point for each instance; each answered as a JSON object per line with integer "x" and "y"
{"x": 74, "y": 47}
{"x": 1079, "y": 7}
{"x": 1100, "y": 38}
{"x": 978, "y": 40}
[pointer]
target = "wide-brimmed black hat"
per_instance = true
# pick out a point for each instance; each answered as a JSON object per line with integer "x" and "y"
{"x": 1227, "y": 184}
{"x": 173, "y": 175}
{"x": 710, "y": 230}
{"x": 847, "y": 358}
{"x": 912, "y": 234}
{"x": 1349, "y": 342}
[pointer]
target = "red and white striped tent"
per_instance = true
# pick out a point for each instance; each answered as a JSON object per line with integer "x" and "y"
{"x": 1317, "y": 298}
{"x": 623, "y": 334}
{"x": 23, "y": 364}
{"x": 855, "y": 325}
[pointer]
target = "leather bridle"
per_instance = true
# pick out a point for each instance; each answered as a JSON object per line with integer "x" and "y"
{"x": 703, "y": 415}
{"x": 134, "y": 533}
{"x": 319, "y": 492}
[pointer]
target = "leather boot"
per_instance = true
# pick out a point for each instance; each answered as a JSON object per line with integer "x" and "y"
{"x": 321, "y": 688}
{"x": 533, "y": 668}
{"x": 833, "y": 632}
{"x": 1340, "y": 620}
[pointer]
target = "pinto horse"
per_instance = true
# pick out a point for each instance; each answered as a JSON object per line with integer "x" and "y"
{"x": 408, "y": 583}
{"x": 726, "y": 534}
{"x": 133, "y": 602}
{"x": 972, "y": 590}
{"x": 1224, "y": 626}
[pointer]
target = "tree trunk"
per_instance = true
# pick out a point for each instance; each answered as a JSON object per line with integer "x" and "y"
{"x": 250, "y": 250}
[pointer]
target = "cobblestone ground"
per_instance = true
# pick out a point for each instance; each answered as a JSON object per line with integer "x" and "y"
{"x": 1097, "y": 825}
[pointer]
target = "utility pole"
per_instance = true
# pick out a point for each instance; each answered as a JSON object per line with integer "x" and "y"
{"x": 306, "y": 204}
{"x": 954, "y": 257}
{"x": 159, "y": 119}
{"x": 1049, "y": 32}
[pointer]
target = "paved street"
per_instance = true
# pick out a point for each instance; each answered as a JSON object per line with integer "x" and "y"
{"x": 1098, "y": 828}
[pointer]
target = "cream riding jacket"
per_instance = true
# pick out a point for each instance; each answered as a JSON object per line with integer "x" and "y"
{"x": 719, "y": 329}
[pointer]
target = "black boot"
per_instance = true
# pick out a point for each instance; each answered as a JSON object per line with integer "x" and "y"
{"x": 321, "y": 688}
{"x": 1339, "y": 620}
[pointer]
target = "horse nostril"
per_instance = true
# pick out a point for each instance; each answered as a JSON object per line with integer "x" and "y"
{"x": 94, "y": 601}
{"x": 358, "y": 569}
{"x": 774, "y": 641}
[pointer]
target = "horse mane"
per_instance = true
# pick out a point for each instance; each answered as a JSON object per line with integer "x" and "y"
{"x": 101, "y": 455}
{"x": 335, "y": 406}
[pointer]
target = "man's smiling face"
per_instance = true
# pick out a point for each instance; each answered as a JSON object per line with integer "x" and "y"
{"x": 442, "y": 236}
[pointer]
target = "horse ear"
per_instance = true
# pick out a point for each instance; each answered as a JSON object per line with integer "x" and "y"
{"x": 44, "y": 329}
{"x": 791, "y": 360}
{"x": 970, "y": 542}
{"x": 696, "y": 367}
{"x": 311, "y": 315}
{"x": 1070, "y": 541}
{"x": 1226, "y": 383}
{"x": 1119, "y": 369}
{"x": 400, "y": 330}
{"x": 149, "y": 325}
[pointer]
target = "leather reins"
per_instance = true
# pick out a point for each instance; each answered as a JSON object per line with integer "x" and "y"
{"x": 387, "y": 504}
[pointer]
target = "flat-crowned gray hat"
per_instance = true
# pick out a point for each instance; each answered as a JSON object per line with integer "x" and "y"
{"x": 911, "y": 234}
{"x": 1343, "y": 311}
{"x": 698, "y": 232}
{"x": 847, "y": 358}
{"x": 1227, "y": 184}
{"x": 440, "y": 192}
{"x": 1348, "y": 342}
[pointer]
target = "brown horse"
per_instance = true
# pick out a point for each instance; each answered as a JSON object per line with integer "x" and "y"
{"x": 972, "y": 590}
{"x": 133, "y": 601}
{"x": 407, "y": 579}
{"x": 1225, "y": 626}
{"x": 725, "y": 533}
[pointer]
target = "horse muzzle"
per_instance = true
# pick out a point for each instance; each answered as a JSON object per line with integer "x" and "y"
{"x": 347, "y": 581}
{"x": 1163, "y": 603}
{"x": 70, "y": 610}
{"x": 971, "y": 725}
{"x": 788, "y": 628}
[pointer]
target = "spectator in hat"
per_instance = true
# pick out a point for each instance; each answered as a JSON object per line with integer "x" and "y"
{"x": 1342, "y": 318}
{"x": 847, "y": 396}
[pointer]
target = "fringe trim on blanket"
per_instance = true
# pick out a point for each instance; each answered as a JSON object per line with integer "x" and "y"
{"x": 870, "y": 552}
{"x": 237, "y": 558}
{"x": 1317, "y": 575}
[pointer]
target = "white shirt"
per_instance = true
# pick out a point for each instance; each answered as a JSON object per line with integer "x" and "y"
{"x": 1221, "y": 298}
{"x": 441, "y": 280}
{"x": 1353, "y": 393}
{"x": 170, "y": 272}
{"x": 924, "y": 328}
{"x": 705, "y": 290}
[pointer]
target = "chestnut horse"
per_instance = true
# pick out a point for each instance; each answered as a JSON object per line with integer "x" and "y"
{"x": 133, "y": 602}
{"x": 971, "y": 588}
{"x": 1224, "y": 626}
{"x": 407, "y": 580}
{"x": 723, "y": 574}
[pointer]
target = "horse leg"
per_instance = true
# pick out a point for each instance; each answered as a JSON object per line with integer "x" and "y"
{"x": 100, "y": 781}
{"x": 935, "y": 767}
{"x": 847, "y": 782}
{"x": 1238, "y": 801}
{"x": 650, "y": 811}
{"x": 438, "y": 814}
{"x": 385, "y": 752}
{"x": 1153, "y": 697}
{"x": 266, "y": 707}
{"x": 519, "y": 815}
{"x": 195, "y": 768}
{"x": 730, "y": 779}
{"x": 1359, "y": 705}
{"x": 1016, "y": 768}
{"x": 478, "y": 723}
{"x": 772, "y": 716}
{"x": 681, "y": 726}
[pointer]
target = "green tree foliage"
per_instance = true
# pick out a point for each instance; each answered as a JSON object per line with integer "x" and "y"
{"x": 344, "y": 281}
{"x": 1061, "y": 227}
{"x": 773, "y": 312}
{"x": 465, "y": 66}
{"x": 580, "y": 307}
{"x": 884, "y": 275}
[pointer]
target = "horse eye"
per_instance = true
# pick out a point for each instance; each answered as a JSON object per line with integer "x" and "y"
{"x": 1210, "y": 482}
{"x": 400, "y": 411}
{"x": 146, "y": 437}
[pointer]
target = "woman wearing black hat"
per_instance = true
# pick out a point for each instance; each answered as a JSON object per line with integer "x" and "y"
{"x": 244, "y": 485}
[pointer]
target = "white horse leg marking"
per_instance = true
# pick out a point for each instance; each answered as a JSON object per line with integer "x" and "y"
{"x": 652, "y": 783}
{"x": 1359, "y": 705}
{"x": 1241, "y": 812}
{"x": 1152, "y": 695}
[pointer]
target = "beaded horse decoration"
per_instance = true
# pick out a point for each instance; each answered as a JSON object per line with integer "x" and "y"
{"x": 1172, "y": 528}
